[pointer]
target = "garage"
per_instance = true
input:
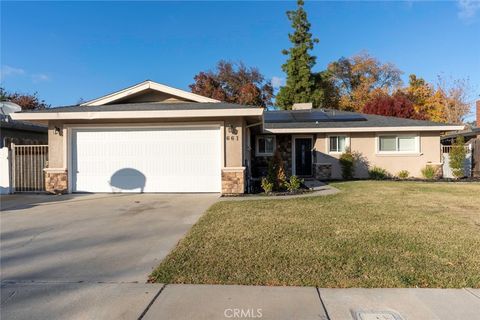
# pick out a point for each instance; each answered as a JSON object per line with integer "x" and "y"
{"x": 146, "y": 159}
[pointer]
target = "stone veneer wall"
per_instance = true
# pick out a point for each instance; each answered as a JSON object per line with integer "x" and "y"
{"x": 56, "y": 181}
{"x": 233, "y": 180}
{"x": 284, "y": 146}
{"x": 322, "y": 171}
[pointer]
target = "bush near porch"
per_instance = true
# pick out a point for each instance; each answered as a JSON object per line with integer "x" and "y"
{"x": 373, "y": 234}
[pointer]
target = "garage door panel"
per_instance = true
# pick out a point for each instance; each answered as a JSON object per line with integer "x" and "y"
{"x": 149, "y": 160}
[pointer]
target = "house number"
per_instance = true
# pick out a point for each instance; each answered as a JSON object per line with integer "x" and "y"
{"x": 232, "y": 138}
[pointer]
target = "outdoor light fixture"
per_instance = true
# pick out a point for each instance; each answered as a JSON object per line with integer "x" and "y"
{"x": 56, "y": 130}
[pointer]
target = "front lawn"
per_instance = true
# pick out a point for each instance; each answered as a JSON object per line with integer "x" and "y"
{"x": 373, "y": 234}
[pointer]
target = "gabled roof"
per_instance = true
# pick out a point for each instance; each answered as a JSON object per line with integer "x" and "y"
{"x": 143, "y": 86}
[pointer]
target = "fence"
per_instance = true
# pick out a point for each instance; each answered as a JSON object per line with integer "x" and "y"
{"x": 476, "y": 157}
{"x": 28, "y": 162}
{"x": 447, "y": 149}
{"x": 447, "y": 171}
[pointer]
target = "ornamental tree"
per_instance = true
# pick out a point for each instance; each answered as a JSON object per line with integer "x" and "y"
{"x": 301, "y": 85}
{"x": 25, "y": 100}
{"x": 235, "y": 83}
{"x": 457, "y": 157}
{"x": 397, "y": 105}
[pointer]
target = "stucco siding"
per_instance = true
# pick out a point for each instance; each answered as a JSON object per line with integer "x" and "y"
{"x": 365, "y": 145}
{"x": 234, "y": 142}
{"x": 56, "y": 146}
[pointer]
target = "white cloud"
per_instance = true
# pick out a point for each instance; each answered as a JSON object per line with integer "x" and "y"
{"x": 277, "y": 82}
{"x": 40, "y": 77}
{"x": 468, "y": 9}
{"x": 7, "y": 71}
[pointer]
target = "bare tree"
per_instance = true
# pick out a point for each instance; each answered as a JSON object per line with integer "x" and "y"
{"x": 456, "y": 93}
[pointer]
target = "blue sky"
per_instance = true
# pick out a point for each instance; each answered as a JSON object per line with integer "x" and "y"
{"x": 72, "y": 50}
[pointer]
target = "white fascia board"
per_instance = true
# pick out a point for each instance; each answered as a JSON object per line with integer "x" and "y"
{"x": 144, "y": 86}
{"x": 365, "y": 129}
{"x": 136, "y": 114}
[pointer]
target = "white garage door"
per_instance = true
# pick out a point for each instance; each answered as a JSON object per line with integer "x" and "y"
{"x": 180, "y": 159}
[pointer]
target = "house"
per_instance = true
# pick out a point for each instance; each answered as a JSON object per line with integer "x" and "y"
{"x": 471, "y": 137}
{"x": 19, "y": 132}
{"x": 154, "y": 138}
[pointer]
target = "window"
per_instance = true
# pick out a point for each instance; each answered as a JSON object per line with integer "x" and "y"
{"x": 393, "y": 143}
{"x": 338, "y": 144}
{"x": 265, "y": 145}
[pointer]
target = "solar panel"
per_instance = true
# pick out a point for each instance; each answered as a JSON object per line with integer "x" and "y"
{"x": 308, "y": 116}
{"x": 347, "y": 117}
{"x": 278, "y": 116}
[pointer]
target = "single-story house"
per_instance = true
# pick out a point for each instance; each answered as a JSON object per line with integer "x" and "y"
{"x": 19, "y": 132}
{"x": 154, "y": 138}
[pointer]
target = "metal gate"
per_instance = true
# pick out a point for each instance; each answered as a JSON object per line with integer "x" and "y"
{"x": 28, "y": 162}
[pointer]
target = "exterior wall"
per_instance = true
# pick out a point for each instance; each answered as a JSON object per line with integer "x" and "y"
{"x": 5, "y": 171}
{"x": 234, "y": 142}
{"x": 56, "y": 145}
{"x": 233, "y": 180}
{"x": 260, "y": 163}
{"x": 56, "y": 181}
{"x": 365, "y": 144}
{"x": 233, "y": 129}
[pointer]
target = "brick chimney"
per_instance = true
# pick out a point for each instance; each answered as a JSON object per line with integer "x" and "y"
{"x": 478, "y": 113}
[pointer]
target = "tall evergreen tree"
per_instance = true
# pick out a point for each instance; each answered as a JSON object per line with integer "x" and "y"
{"x": 301, "y": 85}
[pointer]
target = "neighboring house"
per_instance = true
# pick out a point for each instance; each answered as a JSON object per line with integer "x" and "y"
{"x": 19, "y": 132}
{"x": 154, "y": 138}
{"x": 471, "y": 137}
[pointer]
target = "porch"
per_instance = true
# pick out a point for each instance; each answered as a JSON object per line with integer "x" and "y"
{"x": 297, "y": 152}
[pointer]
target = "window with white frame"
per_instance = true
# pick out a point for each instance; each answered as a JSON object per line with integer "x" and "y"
{"x": 398, "y": 143}
{"x": 265, "y": 145}
{"x": 337, "y": 143}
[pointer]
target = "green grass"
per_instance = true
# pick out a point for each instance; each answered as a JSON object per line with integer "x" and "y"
{"x": 373, "y": 234}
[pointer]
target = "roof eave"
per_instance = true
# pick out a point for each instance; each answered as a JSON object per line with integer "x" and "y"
{"x": 364, "y": 129}
{"x": 94, "y": 115}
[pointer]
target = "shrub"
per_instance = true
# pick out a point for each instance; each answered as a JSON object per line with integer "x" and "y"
{"x": 294, "y": 183}
{"x": 276, "y": 172}
{"x": 378, "y": 173}
{"x": 267, "y": 185}
{"x": 457, "y": 158}
{"x": 403, "y": 174}
{"x": 280, "y": 176}
{"x": 429, "y": 172}
{"x": 347, "y": 162}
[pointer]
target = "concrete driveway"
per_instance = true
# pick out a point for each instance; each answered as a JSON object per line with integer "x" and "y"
{"x": 72, "y": 244}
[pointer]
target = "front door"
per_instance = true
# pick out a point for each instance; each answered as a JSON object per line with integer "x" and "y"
{"x": 303, "y": 156}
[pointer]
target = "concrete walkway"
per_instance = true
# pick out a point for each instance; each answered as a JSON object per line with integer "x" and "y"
{"x": 209, "y": 302}
{"x": 318, "y": 189}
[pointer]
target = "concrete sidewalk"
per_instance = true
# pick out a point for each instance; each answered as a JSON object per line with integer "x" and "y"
{"x": 157, "y": 301}
{"x": 249, "y": 302}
